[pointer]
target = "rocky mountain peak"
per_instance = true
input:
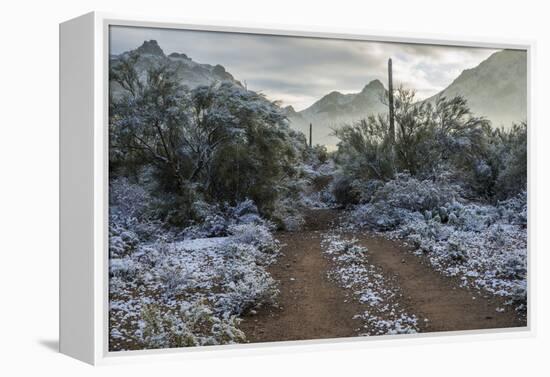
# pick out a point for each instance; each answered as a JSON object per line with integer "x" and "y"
{"x": 289, "y": 109}
{"x": 374, "y": 85}
{"x": 150, "y": 47}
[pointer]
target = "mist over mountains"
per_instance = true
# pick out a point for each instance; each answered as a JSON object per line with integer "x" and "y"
{"x": 495, "y": 89}
{"x": 336, "y": 108}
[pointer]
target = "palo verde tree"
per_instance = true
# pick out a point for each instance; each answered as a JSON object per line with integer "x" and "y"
{"x": 222, "y": 142}
{"x": 431, "y": 139}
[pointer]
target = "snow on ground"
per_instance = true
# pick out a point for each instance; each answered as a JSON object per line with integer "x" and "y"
{"x": 190, "y": 292}
{"x": 366, "y": 284}
{"x": 484, "y": 245}
{"x": 201, "y": 243}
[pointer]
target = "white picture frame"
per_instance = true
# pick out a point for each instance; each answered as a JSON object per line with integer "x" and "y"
{"x": 84, "y": 51}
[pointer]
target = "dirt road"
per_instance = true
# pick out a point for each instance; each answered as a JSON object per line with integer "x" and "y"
{"x": 313, "y": 307}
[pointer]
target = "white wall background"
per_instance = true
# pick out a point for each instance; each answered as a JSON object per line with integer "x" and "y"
{"x": 29, "y": 185}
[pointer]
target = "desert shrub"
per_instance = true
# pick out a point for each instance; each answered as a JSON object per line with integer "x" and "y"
{"x": 380, "y": 216}
{"x": 344, "y": 191}
{"x": 122, "y": 267}
{"x": 315, "y": 183}
{"x": 287, "y": 213}
{"x": 258, "y": 236}
{"x": 191, "y": 325}
{"x": 215, "y": 220}
{"x": 320, "y": 153}
{"x": 249, "y": 291}
{"x": 366, "y": 188}
{"x": 514, "y": 209}
{"x": 512, "y": 173}
{"x": 320, "y": 182}
{"x": 404, "y": 199}
{"x": 130, "y": 218}
{"x": 127, "y": 199}
{"x": 412, "y": 194}
{"x": 364, "y": 150}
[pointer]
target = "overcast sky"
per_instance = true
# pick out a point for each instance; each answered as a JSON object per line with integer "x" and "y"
{"x": 298, "y": 71}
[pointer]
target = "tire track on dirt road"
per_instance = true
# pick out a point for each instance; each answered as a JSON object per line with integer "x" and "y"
{"x": 311, "y": 306}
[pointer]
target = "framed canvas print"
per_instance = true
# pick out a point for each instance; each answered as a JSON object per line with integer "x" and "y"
{"x": 224, "y": 187}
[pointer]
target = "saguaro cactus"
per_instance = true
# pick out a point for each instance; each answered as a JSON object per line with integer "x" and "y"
{"x": 390, "y": 102}
{"x": 310, "y": 132}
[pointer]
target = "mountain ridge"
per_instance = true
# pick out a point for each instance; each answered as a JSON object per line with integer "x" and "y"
{"x": 336, "y": 108}
{"x": 496, "y": 89}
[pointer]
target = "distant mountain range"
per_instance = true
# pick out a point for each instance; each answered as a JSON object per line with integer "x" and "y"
{"x": 496, "y": 89}
{"x": 335, "y": 109}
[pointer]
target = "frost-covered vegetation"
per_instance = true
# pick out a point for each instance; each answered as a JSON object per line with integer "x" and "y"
{"x": 450, "y": 185}
{"x": 485, "y": 245}
{"x": 318, "y": 171}
{"x": 214, "y": 144}
{"x": 199, "y": 180}
{"x": 170, "y": 289}
{"x": 201, "y": 177}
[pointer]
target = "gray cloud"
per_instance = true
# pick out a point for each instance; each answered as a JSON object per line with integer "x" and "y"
{"x": 299, "y": 70}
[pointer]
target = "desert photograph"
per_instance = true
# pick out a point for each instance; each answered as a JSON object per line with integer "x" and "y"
{"x": 268, "y": 188}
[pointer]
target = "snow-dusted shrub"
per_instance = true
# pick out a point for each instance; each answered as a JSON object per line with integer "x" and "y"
{"x": 122, "y": 243}
{"x": 215, "y": 220}
{"x": 288, "y": 215}
{"x": 316, "y": 186}
{"x": 174, "y": 279}
{"x": 366, "y": 188}
{"x": 191, "y": 325}
{"x": 381, "y": 216}
{"x": 457, "y": 250}
{"x": 122, "y": 267}
{"x": 344, "y": 191}
{"x": 256, "y": 235}
{"x": 412, "y": 194}
{"x": 293, "y": 222}
{"x": 318, "y": 199}
{"x": 246, "y": 212}
{"x": 127, "y": 199}
{"x": 513, "y": 267}
{"x": 404, "y": 200}
{"x": 130, "y": 219}
{"x": 213, "y": 225}
{"x": 252, "y": 288}
{"x": 510, "y": 153}
{"x": 514, "y": 209}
